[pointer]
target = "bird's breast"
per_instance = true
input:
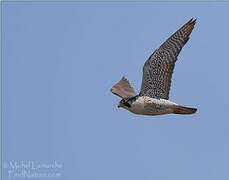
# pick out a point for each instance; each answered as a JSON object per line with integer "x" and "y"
{"x": 151, "y": 106}
{"x": 138, "y": 106}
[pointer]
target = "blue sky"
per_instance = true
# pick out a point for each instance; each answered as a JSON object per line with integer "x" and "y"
{"x": 61, "y": 59}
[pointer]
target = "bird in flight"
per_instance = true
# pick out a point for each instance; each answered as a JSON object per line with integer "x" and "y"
{"x": 153, "y": 98}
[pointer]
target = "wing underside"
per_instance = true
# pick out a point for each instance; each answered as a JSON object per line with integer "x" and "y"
{"x": 123, "y": 89}
{"x": 158, "y": 69}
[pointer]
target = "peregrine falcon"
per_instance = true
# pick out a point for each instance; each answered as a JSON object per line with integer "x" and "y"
{"x": 153, "y": 98}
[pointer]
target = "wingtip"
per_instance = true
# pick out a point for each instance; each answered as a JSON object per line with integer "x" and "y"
{"x": 124, "y": 78}
{"x": 188, "y": 27}
{"x": 192, "y": 21}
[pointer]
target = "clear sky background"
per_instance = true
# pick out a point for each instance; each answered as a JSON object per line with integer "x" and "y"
{"x": 60, "y": 61}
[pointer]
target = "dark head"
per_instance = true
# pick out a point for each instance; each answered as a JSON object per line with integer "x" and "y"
{"x": 127, "y": 102}
{"x": 124, "y": 103}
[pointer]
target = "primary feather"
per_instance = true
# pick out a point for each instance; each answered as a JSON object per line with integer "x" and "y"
{"x": 158, "y": 69}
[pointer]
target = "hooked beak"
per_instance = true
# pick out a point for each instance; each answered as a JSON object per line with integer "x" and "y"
{"x": 119, "y": 105}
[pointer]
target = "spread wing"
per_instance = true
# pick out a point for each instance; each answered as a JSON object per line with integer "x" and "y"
{"x": 158, "y": 69}
{"x": 123, "y": 89}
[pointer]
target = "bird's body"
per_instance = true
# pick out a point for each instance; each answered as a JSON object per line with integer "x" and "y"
{"x": 150, "y": 106}
{"x": 153, "y": 98}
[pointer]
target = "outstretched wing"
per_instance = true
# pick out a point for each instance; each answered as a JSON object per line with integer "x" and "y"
{"x": 123, "y": 89}
{"x": 158, "y": 69}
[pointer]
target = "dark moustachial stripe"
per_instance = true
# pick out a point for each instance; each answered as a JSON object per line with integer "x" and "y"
{"x": 129, "y": 101}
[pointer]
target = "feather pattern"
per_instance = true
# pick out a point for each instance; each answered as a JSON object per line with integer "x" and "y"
{"x": 158, "y": 69}
{"x": 123, "y": 89}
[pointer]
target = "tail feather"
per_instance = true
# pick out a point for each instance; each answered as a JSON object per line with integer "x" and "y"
{"x": 184, "y": 110}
